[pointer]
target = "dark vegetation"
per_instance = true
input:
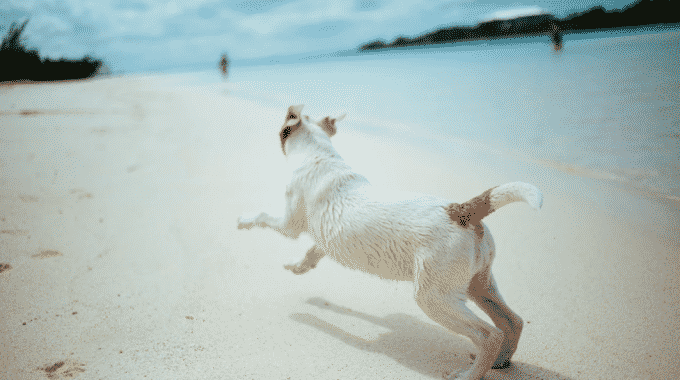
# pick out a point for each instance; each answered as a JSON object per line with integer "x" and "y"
{"x": 19, "y": 63}
{"x": 641, "y": 12}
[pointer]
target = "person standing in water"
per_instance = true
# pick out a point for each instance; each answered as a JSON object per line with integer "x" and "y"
{"x": 224, "y": 66}
{"x": 555, "y": 36}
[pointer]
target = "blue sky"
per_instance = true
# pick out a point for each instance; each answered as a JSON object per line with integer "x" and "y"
{"x": 140, "y": 35}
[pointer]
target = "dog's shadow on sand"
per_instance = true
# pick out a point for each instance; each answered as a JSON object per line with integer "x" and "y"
{"x": 423, "y": 347}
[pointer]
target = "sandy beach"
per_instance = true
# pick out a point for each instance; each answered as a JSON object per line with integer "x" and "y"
{"x": 120, "y": 257}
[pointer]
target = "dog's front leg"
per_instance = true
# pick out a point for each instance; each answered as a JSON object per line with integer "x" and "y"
{"x": 308, "y": 262}
{"x": 292, "y": 224}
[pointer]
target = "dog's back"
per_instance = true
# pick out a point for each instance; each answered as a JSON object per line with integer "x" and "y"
{"x": 380, "y": 231}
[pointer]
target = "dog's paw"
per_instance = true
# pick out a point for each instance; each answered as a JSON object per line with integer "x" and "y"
{"x": 297, "y": 269}
{"x": 501, "y": 364}
{"x": 243, "y": 223}
{"x": 246, "y": 222}
{"x": 465, "y": 375}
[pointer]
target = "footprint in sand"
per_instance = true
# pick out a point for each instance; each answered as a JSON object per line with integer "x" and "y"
{"x": 64, "y": 369}
{"x": 81, "y": 193}
{"x": 28, "y": 198}
{"x": 29, "y": 112}
{"x": 14, "y": 232}
{"x": 47, "y": 254}
{"x": 4, "y": 267}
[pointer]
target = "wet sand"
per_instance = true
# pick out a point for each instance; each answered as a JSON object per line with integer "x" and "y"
{"x": 120, "y": 257}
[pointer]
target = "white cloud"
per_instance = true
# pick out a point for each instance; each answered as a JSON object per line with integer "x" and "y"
{"x": 49, "y": 24}
{"x": 294, "y": 15}
{"x": 171, "y": 8}
{"x": 513, "y": 12}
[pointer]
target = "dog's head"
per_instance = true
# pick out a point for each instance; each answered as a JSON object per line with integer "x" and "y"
{"x": 296, "y": 123}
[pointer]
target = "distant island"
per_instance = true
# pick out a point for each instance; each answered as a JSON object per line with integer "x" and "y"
{"x": 19, "y": 63}
{"x": 639, "y": 13}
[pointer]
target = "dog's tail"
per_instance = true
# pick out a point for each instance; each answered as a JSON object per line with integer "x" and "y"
{"x": 477, "y": 208}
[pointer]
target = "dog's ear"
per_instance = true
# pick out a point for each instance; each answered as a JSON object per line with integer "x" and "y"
{"x": 328, "y": 124}
{"x": 291, "y": 124}
{"x": 293, "y": 116}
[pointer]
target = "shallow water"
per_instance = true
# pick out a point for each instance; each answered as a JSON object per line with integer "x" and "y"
{"x": 607, "y": 106}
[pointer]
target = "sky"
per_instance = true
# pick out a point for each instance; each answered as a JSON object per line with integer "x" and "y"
{"x": 147, "y": 35}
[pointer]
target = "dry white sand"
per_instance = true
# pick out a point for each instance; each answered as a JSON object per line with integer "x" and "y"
{"x": 118, "y": 207}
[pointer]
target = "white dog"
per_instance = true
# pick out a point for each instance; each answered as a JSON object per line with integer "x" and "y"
{"x": 443, "y": 247}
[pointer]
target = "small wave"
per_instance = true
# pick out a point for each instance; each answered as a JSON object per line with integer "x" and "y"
{"x": 583, "y": 171}
{"x": 646, "y": 182}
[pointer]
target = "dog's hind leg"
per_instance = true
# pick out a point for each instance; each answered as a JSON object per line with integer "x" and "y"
{"x": 484, "y": 292}
{"x": 308, "y": 262}
{"x": 448, "y": 309}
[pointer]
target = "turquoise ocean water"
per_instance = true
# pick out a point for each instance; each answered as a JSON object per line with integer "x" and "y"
{"x": 607, "y": 106}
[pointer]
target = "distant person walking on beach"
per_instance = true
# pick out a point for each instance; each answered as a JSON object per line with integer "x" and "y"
{"x": 556, "y": 37}
{"x": 224, "y": 66}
